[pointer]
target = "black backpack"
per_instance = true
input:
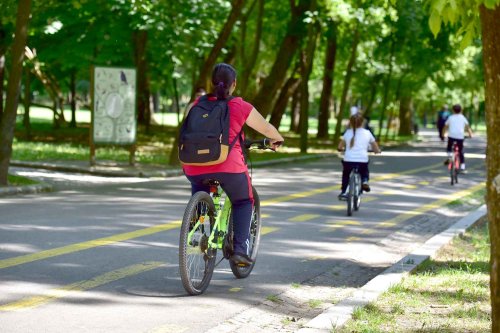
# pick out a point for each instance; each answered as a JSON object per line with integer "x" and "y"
{"x": 204, "y": 135}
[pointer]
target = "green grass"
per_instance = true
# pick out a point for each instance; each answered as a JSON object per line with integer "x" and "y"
{"x": 447, "y": 294}
{"x": 273, "y": 298}
{"x": 14, "y": 180}
{"x": 474, "y": 199}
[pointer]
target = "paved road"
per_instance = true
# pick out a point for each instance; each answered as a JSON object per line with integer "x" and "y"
{"x": 100, "y": 254}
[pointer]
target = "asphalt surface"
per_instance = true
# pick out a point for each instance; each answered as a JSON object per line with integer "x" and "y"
{"x": 99, "y": 254}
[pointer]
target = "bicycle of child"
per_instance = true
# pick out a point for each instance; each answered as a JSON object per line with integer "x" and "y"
{"x": 207, "y": 226}
{"x": 354, "y": 191}
{"x": 454, "y": 164}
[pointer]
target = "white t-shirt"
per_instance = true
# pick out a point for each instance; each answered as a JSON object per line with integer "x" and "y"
{"x": 362, "y": 141}
{"x": 456, "y": 126}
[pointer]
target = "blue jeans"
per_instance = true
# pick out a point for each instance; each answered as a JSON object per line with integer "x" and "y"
{"x": 238, "y": 188}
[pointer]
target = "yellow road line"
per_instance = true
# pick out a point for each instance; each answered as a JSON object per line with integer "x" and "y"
{"x": 303, "y": 218}
{"x": 268, "y": 230}
{"x": 4, "y": 263}
{"x": 430, "y": 206}
{"x": 298, "y": 195}
{"x": 339, "y": 224}
{"x": 352, "y": 239}
{"x": 97, "y": 281}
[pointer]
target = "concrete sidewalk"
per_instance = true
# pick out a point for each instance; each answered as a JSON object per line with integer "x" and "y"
{"x": 337, "y": 315}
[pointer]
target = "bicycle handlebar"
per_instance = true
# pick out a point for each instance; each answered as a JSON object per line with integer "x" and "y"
{"x": 262, "y": 144}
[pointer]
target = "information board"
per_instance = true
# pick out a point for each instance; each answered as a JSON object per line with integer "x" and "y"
{"x": 114, "y": 113}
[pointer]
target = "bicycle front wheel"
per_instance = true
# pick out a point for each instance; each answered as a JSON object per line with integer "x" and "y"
{"x": 255, "y": 226}
{"x": 196, "y": 260}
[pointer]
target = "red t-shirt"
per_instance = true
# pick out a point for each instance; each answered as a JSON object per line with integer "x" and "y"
{"x": 239, "y": 110}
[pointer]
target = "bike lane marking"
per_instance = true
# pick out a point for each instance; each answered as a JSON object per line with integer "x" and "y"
{"x": 71, "y": 248}
{"x": 430, "y": 206}
{"x": 4, "y": 263}
{"x": 71, "y": 289}
{"x": 303, "y": 217}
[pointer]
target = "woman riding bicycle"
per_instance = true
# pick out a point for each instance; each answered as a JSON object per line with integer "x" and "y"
{"x": 232, "y": 174}
{"x": 358, "y": 142}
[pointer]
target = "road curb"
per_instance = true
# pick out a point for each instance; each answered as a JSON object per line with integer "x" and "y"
{"x": 114, "y": 171}
{"x": 337, "y": 315}
{"x": 27, "y": 189}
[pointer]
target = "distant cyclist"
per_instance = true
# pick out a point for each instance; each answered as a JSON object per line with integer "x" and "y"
{"x": 443, "y": 115}
{"x": 356, "y": 141}
{"x": 456, "y": 125}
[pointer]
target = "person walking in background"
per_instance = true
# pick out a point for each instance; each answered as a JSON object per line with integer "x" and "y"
{"x": 456, "y": 125}
{"x": 443, "y": 115}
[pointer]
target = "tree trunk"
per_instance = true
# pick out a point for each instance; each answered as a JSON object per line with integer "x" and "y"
{"x": 206, "y": 69}
{"x": 373, "y": 94}
{"x": 72, "y": 90}
{"x": 140, "y": 39}
{"x": 345, "y": 90}
{"x": 8, "y": 121}
{"x": 2, "y": 75}
{"x": 27, "y": 101}
{"x": 249, "y": 61}
{"x": 328, "y": 75}
{"x": 291, "y": 43}
{"x": 308, "y": 59}
{"x": 286, "y": 92}
{"x": 490, "y": 23}
{"x": 405, "y": 115}
{"x": 295, "y": 112}
{"x": 387, "y": 85}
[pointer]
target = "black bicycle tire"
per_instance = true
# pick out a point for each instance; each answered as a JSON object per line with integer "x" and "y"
{"x": 357, "y": 196}
{"x": 189, "y": 286}
{"x": 350, "y": 195}
{"x": 256, "y": 224}
{"x": 452, "y": 171}
{"x": 457, "y": 168}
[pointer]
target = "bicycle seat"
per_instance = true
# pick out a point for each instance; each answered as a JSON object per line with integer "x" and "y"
{"x": 211, "y": 182}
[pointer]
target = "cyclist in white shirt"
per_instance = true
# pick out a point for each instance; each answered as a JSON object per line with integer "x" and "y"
{"x": 456, "y": 125}
{"x": 356, "y": 141}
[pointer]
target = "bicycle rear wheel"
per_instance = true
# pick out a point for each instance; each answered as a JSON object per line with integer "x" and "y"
{"x": 255, "y": 226}
{"x": 357, "y": 192}
{"x": 196, "y": 260}
{"x": 350, "y": 195}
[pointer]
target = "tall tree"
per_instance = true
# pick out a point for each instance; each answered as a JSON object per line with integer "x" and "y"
{"x": 490, "y": 23}
{"x": 489, "y": 20}
{"x": 8, "y": 121}
{"x": 296, "y": 31}
{"x": 204, "y": 77}
{"x": 347, "y": 82}
{"x": 307, "y": 65}
{"x": 328, "y": 75}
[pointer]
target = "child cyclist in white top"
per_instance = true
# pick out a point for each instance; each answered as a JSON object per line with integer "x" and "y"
{"x": 356, "y": 141}
{"x": 456, "y": 124}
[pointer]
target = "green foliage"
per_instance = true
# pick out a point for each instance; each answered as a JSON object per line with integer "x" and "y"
{"x": 463, "y": 12}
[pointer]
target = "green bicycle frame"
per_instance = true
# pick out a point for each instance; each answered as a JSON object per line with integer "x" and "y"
{"x": 221, "y": 221}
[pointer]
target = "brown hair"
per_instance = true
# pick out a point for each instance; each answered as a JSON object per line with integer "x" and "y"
{"x": 355, "y": 121}
{"x": 223, "y": 76}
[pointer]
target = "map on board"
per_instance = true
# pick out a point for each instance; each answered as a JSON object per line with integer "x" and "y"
{"x": 114, "y": 116}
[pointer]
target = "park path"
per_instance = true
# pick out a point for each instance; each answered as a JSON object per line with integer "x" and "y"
{"x": 100, "y": 254}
